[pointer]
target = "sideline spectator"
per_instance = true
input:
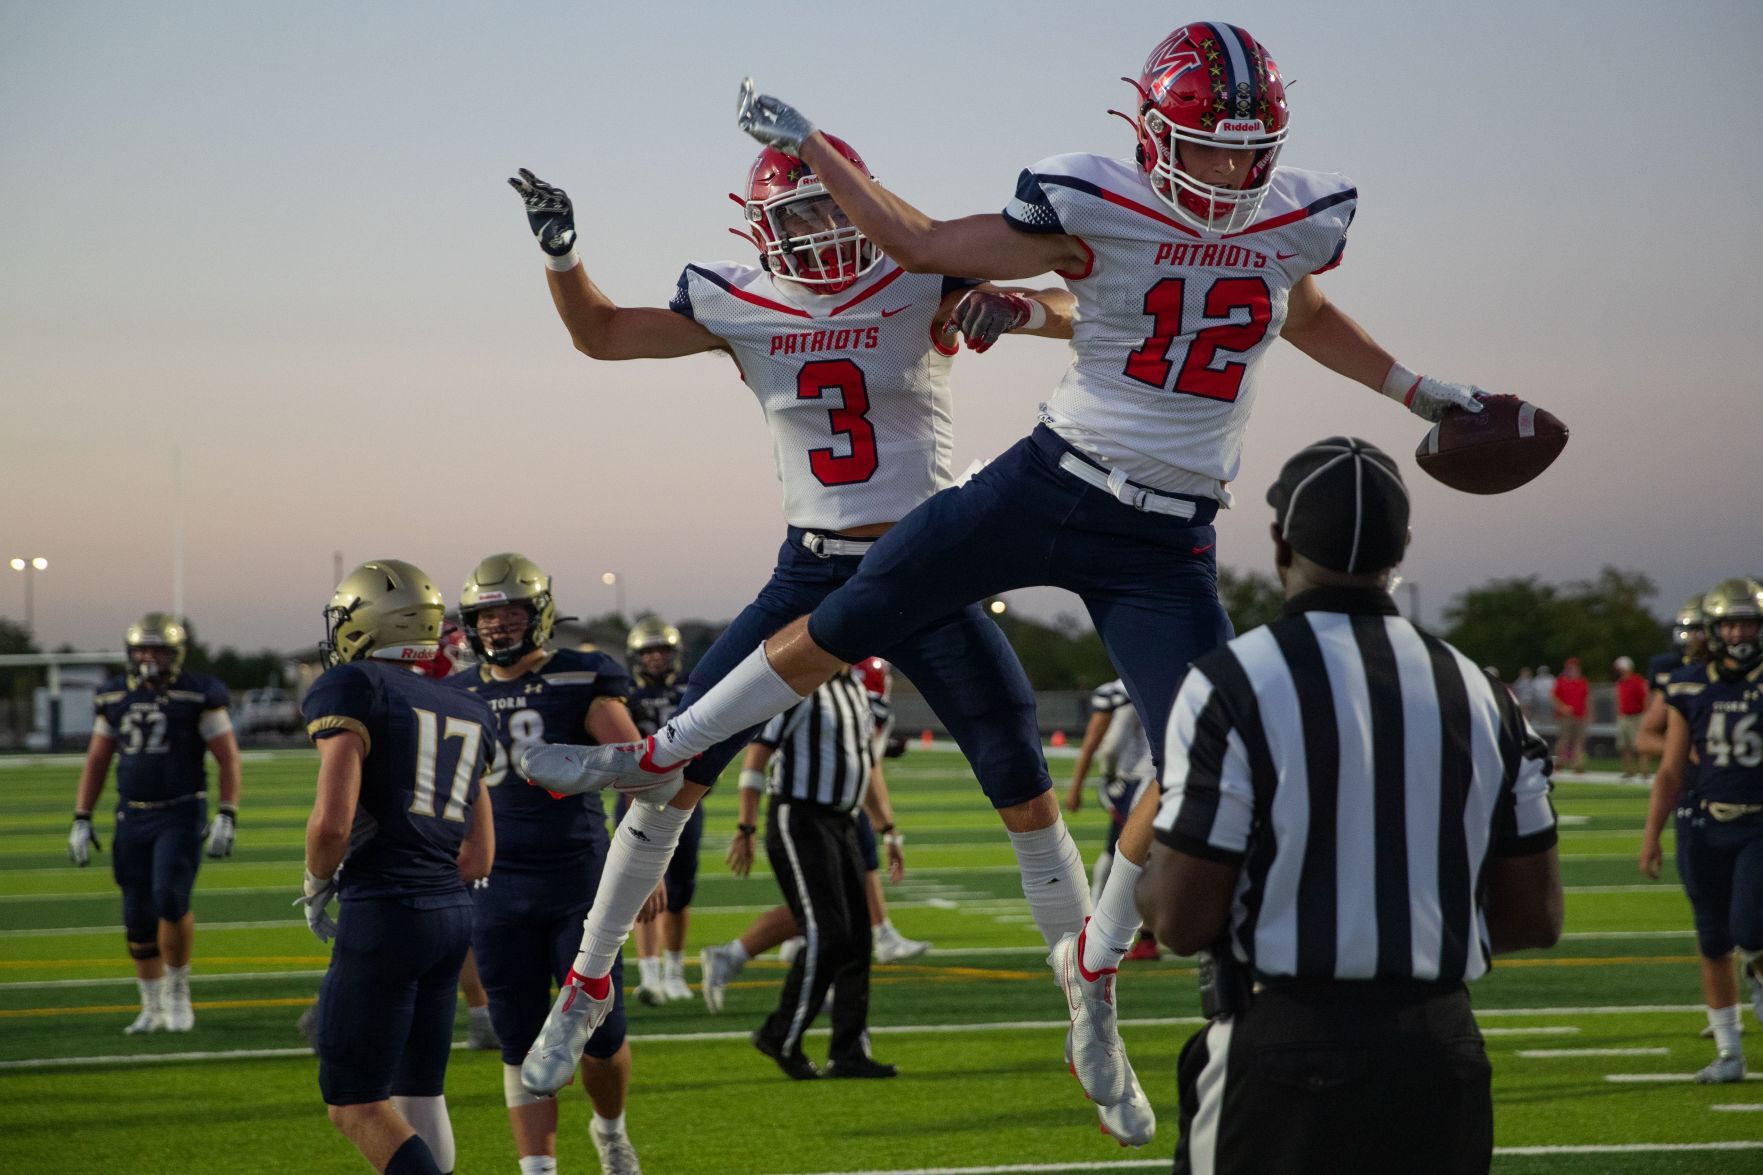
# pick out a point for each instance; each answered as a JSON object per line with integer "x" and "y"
{"x": 1572, "y": 698}
{"x": 1524, "y": 689}
{"x": 1542, "y": 694}
{"x": 1631, "y": 703}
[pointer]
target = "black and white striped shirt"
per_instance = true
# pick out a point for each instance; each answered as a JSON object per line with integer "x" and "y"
{"x": 1362, "y": 772}
{"x": 824, "y": 752}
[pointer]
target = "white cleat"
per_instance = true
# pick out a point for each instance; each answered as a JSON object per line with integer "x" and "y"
{"x": 626, "y": 768}
{"x": 551, "y": 1062}
{"x": 1722, "y": 1070}
{"x": 1130, "y": 1121}
{"x": 179, "y": 1015}
{"x": 1093, "y": 1047}
{"x": 150, "y": 1020}
{"x": 675, "y": 989}
{"x": 651, "y": 995}
{"x": 617, "y": 1155}
{"x": 718, "y": 968}
{"x": 897, "y": 948}
{"x": 790, "y": 948}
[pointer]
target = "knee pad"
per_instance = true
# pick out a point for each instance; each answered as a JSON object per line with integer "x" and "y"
{"x": 143, "y": 951}
{"x": 1713, "y": 938}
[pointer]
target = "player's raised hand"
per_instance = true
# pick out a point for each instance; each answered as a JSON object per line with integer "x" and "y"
{"x": 548, "y": 211}
{"x": 982, "y": 316}
{"x": 1427, "y": 397}
{"x": 220, "y": 832}
{"x": 774, "y": 123}
{"x": 82, "y": 840}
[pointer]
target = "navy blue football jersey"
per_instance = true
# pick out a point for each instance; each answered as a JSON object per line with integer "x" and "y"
{"x": 428, "y": 746}
{"x": 535, "y": 831}
{"x": 1660, "y": 667}
{"x": 1725, "y": 713}
{"x": 654, "y": 699}
{"x": 158, "y": 734}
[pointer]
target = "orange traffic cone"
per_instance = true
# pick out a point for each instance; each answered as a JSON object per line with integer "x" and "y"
{"x": 925, "y": 737}
{"x": 1058, "y": 738}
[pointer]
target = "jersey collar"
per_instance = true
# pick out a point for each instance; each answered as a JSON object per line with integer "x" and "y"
{"x": 1352, "y": 601}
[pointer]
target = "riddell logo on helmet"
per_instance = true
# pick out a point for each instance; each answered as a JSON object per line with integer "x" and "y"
{"x": 415, "y": 653}
{"x": 1240, "y": 126}
{"x": 491, "y": 597}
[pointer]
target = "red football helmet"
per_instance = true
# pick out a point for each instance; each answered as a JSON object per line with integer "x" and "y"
{"x": 1212, "y": 85}
{"x": 452, "y": 656}
{"x": 874, "y": 673}
{"x": 801, "y": 233}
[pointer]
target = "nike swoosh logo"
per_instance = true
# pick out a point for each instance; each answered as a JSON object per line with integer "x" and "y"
{"x": 896, "y": 310}
{"x": 1286, "y": 256}
{"x": 1202, "y": 550}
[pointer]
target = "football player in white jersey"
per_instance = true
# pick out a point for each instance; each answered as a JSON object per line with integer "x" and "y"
{"x": 1187, "y": 262}
{"x": 849, "y": 356}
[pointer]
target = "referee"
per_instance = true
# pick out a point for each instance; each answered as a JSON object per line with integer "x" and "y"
{"x": 826, "y": 768}
{"x": 1355, "y": 819}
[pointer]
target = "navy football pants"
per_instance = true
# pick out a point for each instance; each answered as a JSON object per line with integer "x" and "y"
{"x": 1721, "y": 866}
{"x": 154, "y": 860}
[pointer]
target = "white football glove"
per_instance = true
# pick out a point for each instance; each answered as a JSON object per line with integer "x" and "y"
{"x": 774, "y": 123}
{"x": 81, "y": 840}
{"x": 316, "y": 894}
{"x": 220, "y": 832}
{"x": 1427, "y": 397}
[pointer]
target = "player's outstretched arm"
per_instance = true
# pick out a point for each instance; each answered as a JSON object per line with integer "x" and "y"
{"x": 1320, "y": 329}
{"x": 984, "y": 314}
{"x": 600, "y": 328}
{"x": 973, "y": 246}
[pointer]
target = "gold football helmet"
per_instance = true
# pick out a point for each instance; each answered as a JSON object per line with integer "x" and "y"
{"x": 1687, "y": 633}
{"x": 509, "y": 578}
{"x": 385, "y": 609}
{"x": 146, "y": 638}
{"x": 1734, "y": 599}
{"x": 649, "y": 634}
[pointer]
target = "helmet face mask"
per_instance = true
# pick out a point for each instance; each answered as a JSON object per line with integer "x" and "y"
{"x": 652, "y": 649}
{"x": 1210, "y": 85}
{"x": 495, "y": 584}
{"x": 156, "y": 644}
{"x": 386, "y": 610}
{"x": 801, "y": 233}
{"x": 1733, "y": 619}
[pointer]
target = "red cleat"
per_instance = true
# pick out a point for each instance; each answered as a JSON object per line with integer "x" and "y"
{"x": 1145, "y": 948}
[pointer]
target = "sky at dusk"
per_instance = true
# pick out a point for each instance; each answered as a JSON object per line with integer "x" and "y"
{"x": 276, "y": 239}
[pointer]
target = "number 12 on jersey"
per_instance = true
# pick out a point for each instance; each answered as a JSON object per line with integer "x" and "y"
{"x": 428, "y": 748}
{"x": 1201, "y": 372}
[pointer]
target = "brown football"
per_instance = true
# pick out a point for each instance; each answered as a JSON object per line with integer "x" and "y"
{"x": 1500, "y": 448}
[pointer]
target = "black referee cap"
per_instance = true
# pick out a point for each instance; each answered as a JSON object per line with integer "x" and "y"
{"x": 1341, "y": 503}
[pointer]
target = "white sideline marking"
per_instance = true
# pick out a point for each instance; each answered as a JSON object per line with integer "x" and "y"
{"x": 1739, "y": 1107}
{"x": 1663, "y": 1079}
{"x": 1623, "y": 1148}
{"x": 50, "y": 932}
{"x": 197, "y": 978}
{"x": 1540, "y": 1053}
{"x": 1553, "y": 1030}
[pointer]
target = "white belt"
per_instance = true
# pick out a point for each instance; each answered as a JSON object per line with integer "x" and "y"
{"x": 1113, "y": 482}
{"x": 825, "y": 545}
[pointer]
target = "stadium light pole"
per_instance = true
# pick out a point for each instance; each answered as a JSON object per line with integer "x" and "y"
{"x": 30, "y": 567}
{"x": 615, "y": 581}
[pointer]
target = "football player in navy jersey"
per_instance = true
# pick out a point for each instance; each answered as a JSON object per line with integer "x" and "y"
{"x": 162, "y": 720}
{"x": 652, "y": 653}
{"x": 549, "y": 850}
{"x": 1689, "y": 646}
{"x": 400, "y": 826}
{"x": 1187, "y": 263}
{"x": 1716, "y": 718}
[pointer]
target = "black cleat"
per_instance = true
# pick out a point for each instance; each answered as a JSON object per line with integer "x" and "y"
{"x": 796, "y": 1066}
{"x": 860, "y": 1067}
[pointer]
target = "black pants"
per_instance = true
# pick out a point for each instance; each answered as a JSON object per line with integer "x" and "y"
{"x": 1355, "y": 1078}
{"x": 818, "y": 864}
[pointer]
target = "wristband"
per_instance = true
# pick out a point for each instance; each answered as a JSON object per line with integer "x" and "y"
{"x": 1037, "y": 315}
{"x": 231, "y": 811}
{"x": 893, "y": 840}
{"x": 1401, "y": 384}
{"x": 752, "y": 779}
{"x": 746, "y": 829}
{"x": 564, "y": 263}
{"x": 886, "y": 828}
{"x": 79, "y": 815}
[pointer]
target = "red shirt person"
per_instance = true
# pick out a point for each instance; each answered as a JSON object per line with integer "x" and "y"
{"x": 1572, "y": 699}
{"x": 1631, "y": 703}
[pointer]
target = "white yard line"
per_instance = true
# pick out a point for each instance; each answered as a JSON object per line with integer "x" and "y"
{"x": 1738, "y": 1107}
{"x": 196, "y": 978}
{"x": 1662, "y": 1078}
{"x": 1544, "y": 1053}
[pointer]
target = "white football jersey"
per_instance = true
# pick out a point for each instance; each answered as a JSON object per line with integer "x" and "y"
{"x": 854, "y": 388}
{"x": 1171, "y": 321}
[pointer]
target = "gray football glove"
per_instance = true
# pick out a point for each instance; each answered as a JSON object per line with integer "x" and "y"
{"x": 316, "y": 894}
{"x": 985, "y": 315}
{"x": 220, "y": 831}
{"x": 82, "y": 840}
{"x": 548, "y": 212}
{"x": 774, "y": 123}
{"x": 1427, "y": 397}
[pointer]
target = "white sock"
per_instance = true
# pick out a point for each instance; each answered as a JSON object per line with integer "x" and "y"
{"x": 1725, "y": 1022}
{"x": 609, "y": 1125}
{"x": 675, "y": 966}
{"x": 649, "y": 971}
{"x": 177, "y": 978}
{"x": 428, "y": 1117}
{"x": 1052, "y": 880}
{"x": 152, "y": 994}
{"x": 538, "y": 1165}
{"x": 1099, "y": 875}
{"x": 885, "y": 929}
{"x": 480, "y": 1015}
{"x": 641, "y": 849}
{"x": 737, "y": 953}
{"x": 1114, "y": 927}
{"x": 750, "y": 694}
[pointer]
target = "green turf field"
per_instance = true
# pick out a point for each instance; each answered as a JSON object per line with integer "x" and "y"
{"x": 1592, "y": 1042}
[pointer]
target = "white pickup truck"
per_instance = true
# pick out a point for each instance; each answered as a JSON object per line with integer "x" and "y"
{"x": 269, "y": 709}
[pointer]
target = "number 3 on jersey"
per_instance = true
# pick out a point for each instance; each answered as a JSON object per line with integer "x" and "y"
{"x": 1202, "y": 374}
{"x": 845, "y": 378}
